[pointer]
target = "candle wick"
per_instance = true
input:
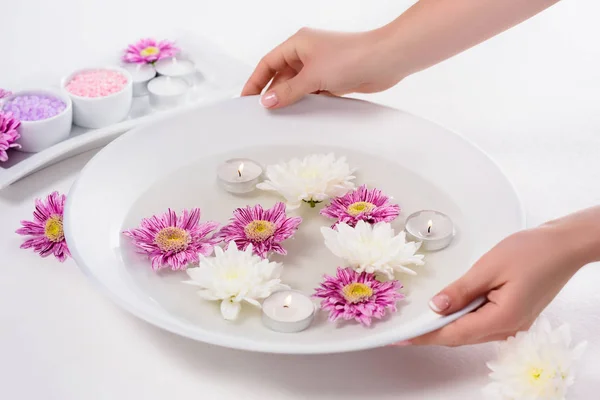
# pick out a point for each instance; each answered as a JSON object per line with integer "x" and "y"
{"x": 286, "y": 306}
{"x": 429, "y": 229}
{"x": 239, "y": 173}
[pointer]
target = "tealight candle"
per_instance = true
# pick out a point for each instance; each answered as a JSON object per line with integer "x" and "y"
{"x": 167, "y": 92}
{"x": 434, "y": 229}
{"x": 239, "y": 175}
{"x": 141, "y": 74}
{"x": 288, "y": 311}
{"x": 176, "y": 68}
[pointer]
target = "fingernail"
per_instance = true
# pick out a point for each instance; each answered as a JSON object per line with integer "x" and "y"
{"x": 402, "y": 343}
{"x": 269, "y": 100}
{"x": 439, "y": 302}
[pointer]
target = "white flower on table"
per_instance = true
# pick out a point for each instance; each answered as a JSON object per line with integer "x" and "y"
{"x": 313, "y": 179}
{"x": 233, "y": 276}
{"x": 373, "y": 248}
{"x": 534, "y": 365}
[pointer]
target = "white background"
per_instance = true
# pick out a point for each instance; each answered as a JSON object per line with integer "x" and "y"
{"x": 529, "y": 97}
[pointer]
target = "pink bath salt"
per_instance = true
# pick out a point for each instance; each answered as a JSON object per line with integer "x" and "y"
{"x": 96, "y": 83}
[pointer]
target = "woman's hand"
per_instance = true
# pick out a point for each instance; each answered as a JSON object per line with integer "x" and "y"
{"x": 519, "y": 276}
{"x": 313, "y": 61}
{"x": 430, "y": 31}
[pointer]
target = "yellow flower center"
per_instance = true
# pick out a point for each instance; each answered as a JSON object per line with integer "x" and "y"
{"x": 536, "y": 373}
{"x": 356, "y": 292}
{"x": 53, "y": 230}
{"x": 259, "y": 230}
{"x": 310, "y": 173}
{"x": 540, "y": 376}
{"x": 360, "y": 207}
{"x": 232, "y": 275}
{"x": 149, "y": 51}
{"x": 172, "y": 239}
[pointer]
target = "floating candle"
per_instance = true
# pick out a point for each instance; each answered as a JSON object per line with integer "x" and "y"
{"x": 239, "y": 175}
{"x": 434, "y": 229}
{"x": 288, "y": 311}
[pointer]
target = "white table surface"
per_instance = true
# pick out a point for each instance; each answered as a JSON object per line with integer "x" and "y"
{"x": 530, "y": 98}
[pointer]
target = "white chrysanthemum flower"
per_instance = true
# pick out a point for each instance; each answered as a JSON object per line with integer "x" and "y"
{"x": 373, "y": 248}
{"x": 233, "y": 276}
{"x": 534, "y": 365}
{"x": 312, "y": 179}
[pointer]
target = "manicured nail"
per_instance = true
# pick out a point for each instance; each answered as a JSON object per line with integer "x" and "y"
{"x": 402, "y": 343}
{"x": 439, "y": 303}
{"x": 269, "y": 100}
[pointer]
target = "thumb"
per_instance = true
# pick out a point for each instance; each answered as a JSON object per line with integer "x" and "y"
{"x": 289, "y": 91}
{"x": 476, "y": 282}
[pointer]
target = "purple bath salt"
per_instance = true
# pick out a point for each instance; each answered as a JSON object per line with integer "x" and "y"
{"x": 32, "y": 107}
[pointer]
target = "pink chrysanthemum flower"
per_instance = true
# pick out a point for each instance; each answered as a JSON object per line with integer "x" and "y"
{"x": 4, "y": 93}
{"x": 46, "y": 228}
{"x": 175, "y": 242}
{"x": 359, "y": 296}
{"x": 263, "y": 229}
{"x": 362, "y": 204}
{"x": 8, "y": 134}
{"x": 149, "y": 51}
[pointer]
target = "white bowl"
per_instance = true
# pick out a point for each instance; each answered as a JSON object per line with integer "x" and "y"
{"x": 39, "y": 135}
{"x": 420, "y": 164}
{"x": 98, "y": 112}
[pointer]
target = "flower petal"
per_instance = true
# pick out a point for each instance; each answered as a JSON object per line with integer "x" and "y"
{"x": 230, "y": 309}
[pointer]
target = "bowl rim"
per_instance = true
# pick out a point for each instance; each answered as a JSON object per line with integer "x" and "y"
{"x": 56, "y": 93}
{"x": 64, "y": 81}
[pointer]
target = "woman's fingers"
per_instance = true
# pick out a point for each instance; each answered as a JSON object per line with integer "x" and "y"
{"x": 478, "y": 281}
{"x": 282, "y": 76}
{"x": 279, "y": 59}
{"x": 290, "y": 91}
{"x": 487, "y": 321}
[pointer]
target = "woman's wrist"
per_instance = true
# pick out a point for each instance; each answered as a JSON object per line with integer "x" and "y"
{"x": 579, "y": 235}
{"x": 434, "y": 30}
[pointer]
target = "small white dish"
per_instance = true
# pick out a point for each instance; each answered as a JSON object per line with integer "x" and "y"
{"x": 98, "y": 112}
{"x": 39, "y": 135}
{"x": 175, "y": 167}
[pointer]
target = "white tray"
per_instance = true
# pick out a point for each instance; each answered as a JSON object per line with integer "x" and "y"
{"x": 220, "y": 77}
